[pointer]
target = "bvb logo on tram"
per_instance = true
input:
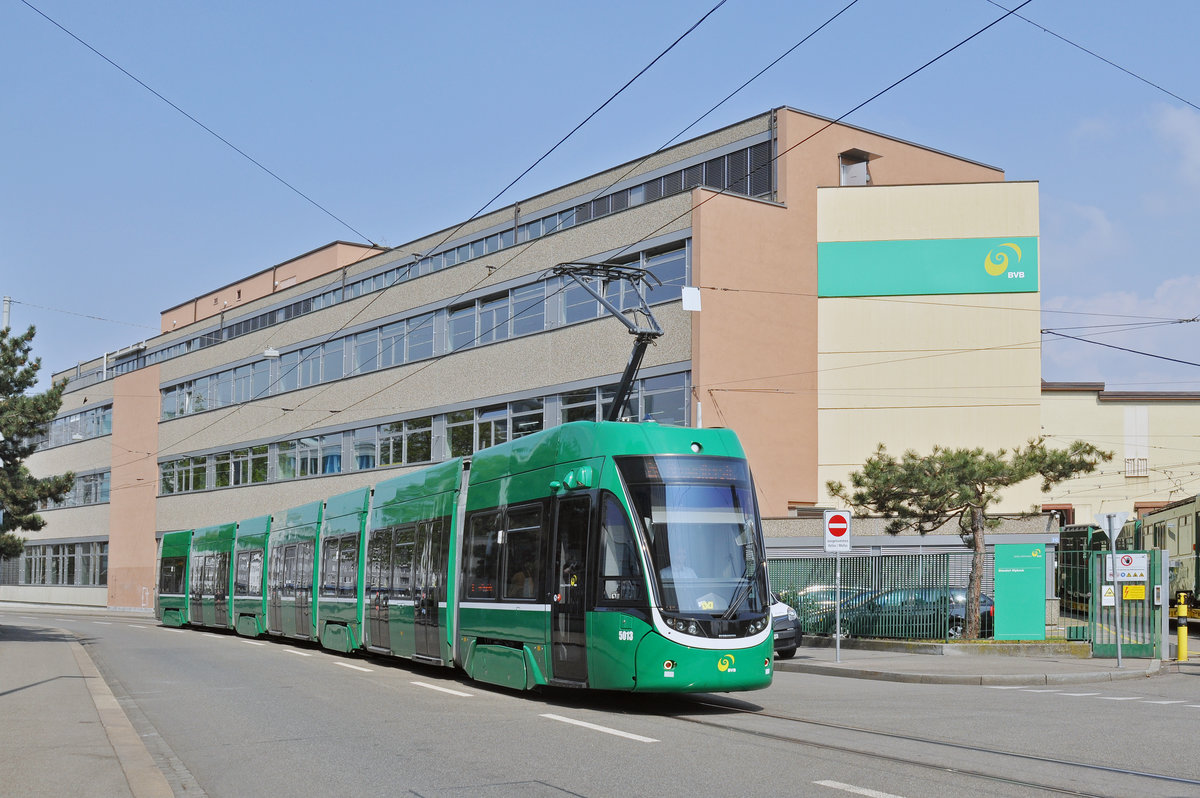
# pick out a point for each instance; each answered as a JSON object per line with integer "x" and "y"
{"x": 725, "y": 664}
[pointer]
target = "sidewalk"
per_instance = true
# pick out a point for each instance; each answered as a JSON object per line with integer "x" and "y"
{"x": 63, "y": 732}
{"x": 952, "y": 664}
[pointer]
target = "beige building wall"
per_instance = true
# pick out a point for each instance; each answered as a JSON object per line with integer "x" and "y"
{"x": 1154, "y": 438}
{"x": 914, "y": 371}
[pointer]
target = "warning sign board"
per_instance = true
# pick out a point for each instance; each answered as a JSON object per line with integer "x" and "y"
{"x": 1128, "y": 566}
{"x": 1133, "y": 592}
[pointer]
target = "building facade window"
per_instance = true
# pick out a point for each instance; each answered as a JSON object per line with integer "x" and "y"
{"x": 81, "y": 426}
{"x": 519, "y": 311}
{"x": 84, "y": 564}
{"x": 88, "y": 489}
{"x": 413, "y": 442}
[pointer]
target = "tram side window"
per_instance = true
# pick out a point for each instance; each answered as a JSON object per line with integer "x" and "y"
{"x": 402, "y": 565}
{"x": 329, "y": 568}
{"x": 255, "y": 581}
{"x": 275, "y": 570}
{"x": 289, "y": 571}
{"x": 241, "y": 578}
{"x": 348, "y": 567}
{"x": 171, "y": 576}
{"x": 198, "y": 574}
{"x": 483, "y": 554}
{"x": 221, "y": 575}
{"x": 303, "y": 577}
{"x": 620, "y": 572}
{"x": 339, "y": 567}
{"x": 523, "y": 542}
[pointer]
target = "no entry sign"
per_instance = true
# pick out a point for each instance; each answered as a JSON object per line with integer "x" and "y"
{"x": 837, "y": 530}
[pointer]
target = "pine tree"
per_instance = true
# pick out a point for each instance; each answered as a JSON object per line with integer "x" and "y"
{"x": 23, "y": 419}
{"x": 927, "y": 492}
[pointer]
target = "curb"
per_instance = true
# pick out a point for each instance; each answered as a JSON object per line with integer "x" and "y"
{"x": 1012, "y": 679}
{"x": 141, "y": 773}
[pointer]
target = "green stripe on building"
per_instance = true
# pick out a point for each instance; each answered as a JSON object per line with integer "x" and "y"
{"x": 928, "y": 266}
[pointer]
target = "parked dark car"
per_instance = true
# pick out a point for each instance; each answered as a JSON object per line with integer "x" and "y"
{"x": 923, "y": 613}
{"x": 787, "y": 628}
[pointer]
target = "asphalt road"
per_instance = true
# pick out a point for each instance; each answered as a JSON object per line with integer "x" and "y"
{"x": 228, "y": 716}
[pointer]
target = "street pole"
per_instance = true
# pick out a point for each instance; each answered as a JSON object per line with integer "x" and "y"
{"x": 837, "y": 609}
{"x": 1110, "y": 522}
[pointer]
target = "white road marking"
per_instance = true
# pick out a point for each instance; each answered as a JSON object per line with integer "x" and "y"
{"x": 1041, "y": 691}
{"x": 26, "y": 618}
{"x": 135, "y": 626}
{"x": 355, "y": 667}
{"x": 176, "y": 631}
{"x": 1194, "y": 706}
{"x": 253, "y": 643}
{"x": 210, "y": 634}
{"x": 294, "y": 651}
{"x": 990, "y": 687}
{"x": 443, "y": 689}
{"x": 604, "y": 729}
{"x": 1165, "y": 702}
{"x": 103, "y": 623}
{"x": 1076, "y": 695}
{"x": 837, "y": 785}
{"x": 1120, "y": 698}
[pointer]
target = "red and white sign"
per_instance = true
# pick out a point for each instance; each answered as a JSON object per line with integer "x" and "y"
{"x": 837, "y": 530}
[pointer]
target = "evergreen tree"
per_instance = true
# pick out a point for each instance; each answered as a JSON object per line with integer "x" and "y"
{"x": 927, "y": 492}
{"x": 23, "y": 419}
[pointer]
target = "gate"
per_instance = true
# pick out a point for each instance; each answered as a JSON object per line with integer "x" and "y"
{"x": 1140, "y": 618}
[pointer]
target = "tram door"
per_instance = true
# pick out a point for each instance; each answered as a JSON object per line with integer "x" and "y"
{"x": 379, "y": 588}
{"x": 197, "y": 590}
{"x": 428, "y": 565}
{"x": 275, "y": 591}
{"x": 301, "y": 576}
{"x": 221, "y": 591}
{"x": 568, "y": 641}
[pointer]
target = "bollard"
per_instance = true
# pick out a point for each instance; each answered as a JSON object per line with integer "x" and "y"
{"x": 1181, "y": 623}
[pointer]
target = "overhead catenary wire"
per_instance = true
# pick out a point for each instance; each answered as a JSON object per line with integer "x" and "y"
{"x": 454, "y": 231}
{"x": 202, "y": 126}
{"x": 1096, "y": 55}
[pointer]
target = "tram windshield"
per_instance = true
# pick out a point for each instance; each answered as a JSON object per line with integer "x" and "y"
{"x": 700, "y": 522}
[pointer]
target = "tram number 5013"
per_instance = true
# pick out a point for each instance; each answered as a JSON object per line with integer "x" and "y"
{"x": 625, "y": 634}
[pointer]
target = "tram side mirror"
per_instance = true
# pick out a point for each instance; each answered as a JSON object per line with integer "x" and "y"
{"x": 579, "y": 478}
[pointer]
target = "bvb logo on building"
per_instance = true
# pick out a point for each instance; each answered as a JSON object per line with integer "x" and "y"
{"x": 996, "y": 261}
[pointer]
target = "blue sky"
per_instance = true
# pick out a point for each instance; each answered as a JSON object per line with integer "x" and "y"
{"x": 404, "y": 118}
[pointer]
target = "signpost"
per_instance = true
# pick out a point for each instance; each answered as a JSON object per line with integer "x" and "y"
{"x": 1112, "y": 523}
{"x": 837, "y": 540}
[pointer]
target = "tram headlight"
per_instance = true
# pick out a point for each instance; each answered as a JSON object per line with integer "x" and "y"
{"x": 693, "y": 629}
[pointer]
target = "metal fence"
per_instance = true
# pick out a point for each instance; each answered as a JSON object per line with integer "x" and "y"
{"x": 905, "y": 596}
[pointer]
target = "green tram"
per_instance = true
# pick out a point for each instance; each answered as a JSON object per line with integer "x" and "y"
{"x": 1076, "y": 542}
{"x": 604, "y": 555}
{"x": 1174, "y": 528}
